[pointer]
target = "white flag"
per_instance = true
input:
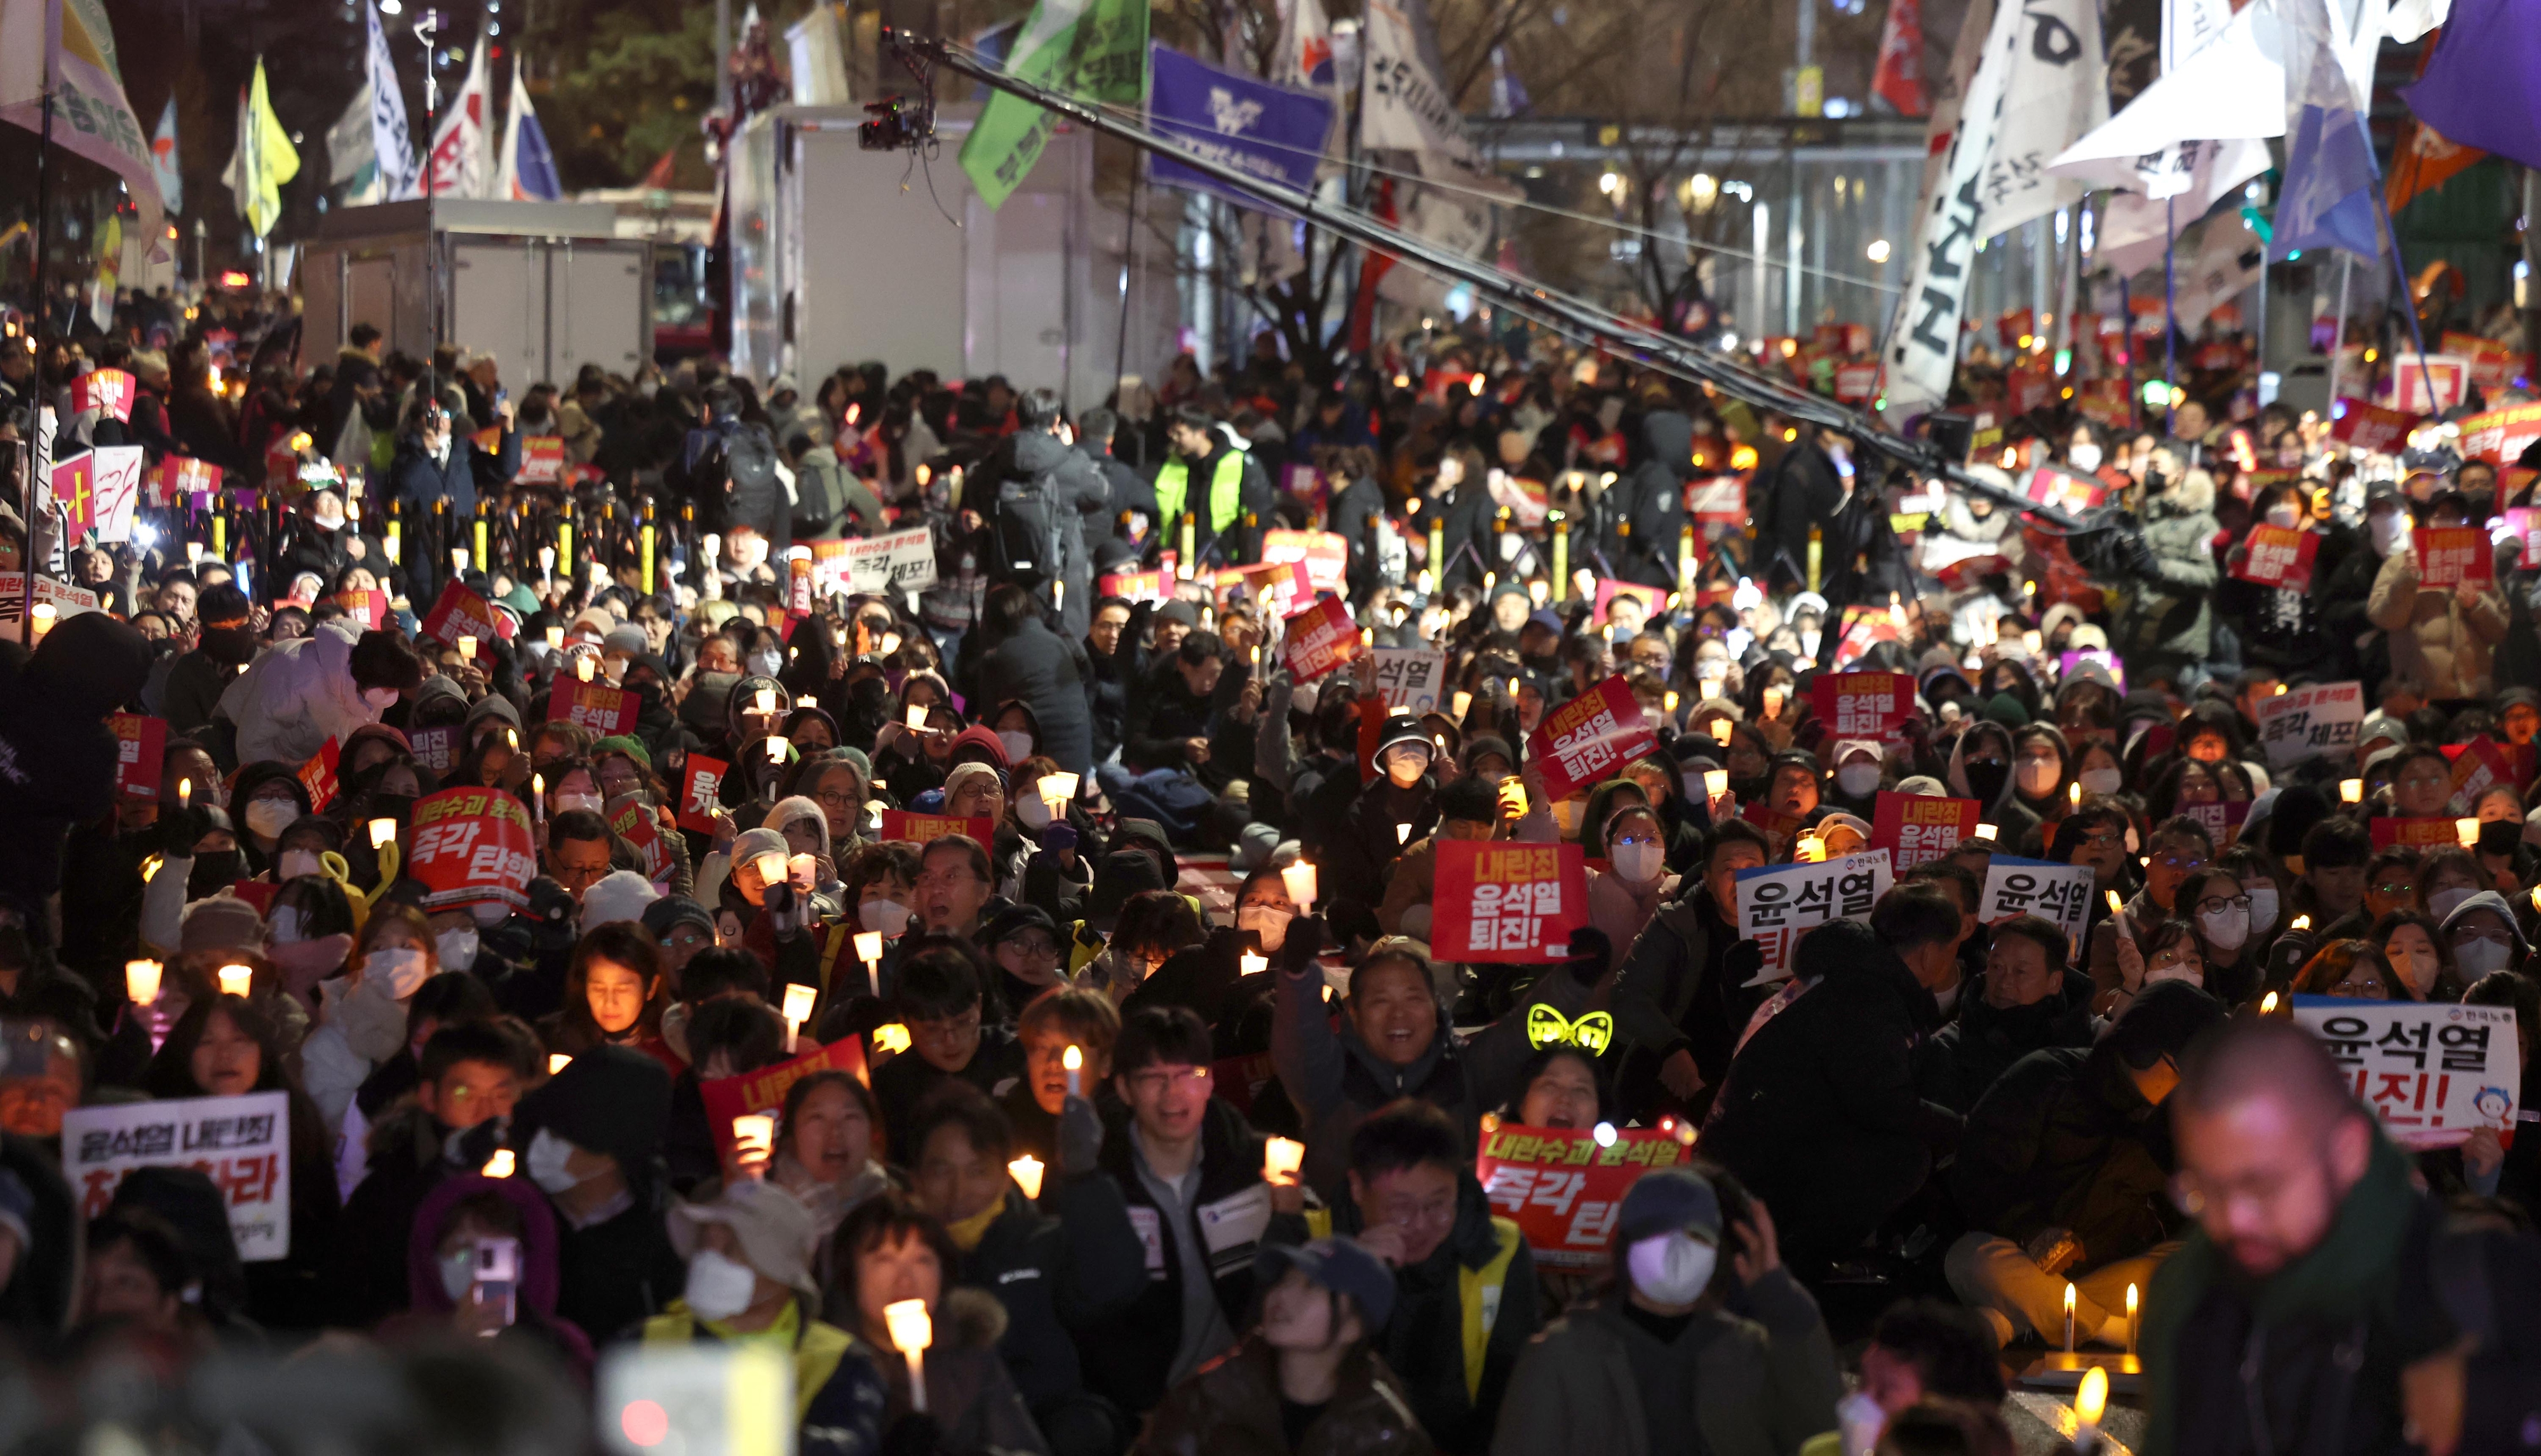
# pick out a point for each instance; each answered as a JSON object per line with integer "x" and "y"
{"x": 390, "y": 143}
{"x": 1407, "y": 107}
{"x": 1305, "y": 57}
{"x": 1948, "y": 96}
{"x": 2228, "y": 260}
{"x": 2054, "y": 92}
{"x": 2232, "y": 89}
{"x": 463, "y": 149}
{"x": 350, "y": 147}
{"x": 1923, "y": 348}
{"x": 2135, "y": 227}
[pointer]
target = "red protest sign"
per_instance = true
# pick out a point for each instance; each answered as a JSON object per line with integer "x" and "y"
{"x": 2449, "y": 555}
{"x": 2499, "y": 436}
{"x": 1721, "y": 500}
{"x": 1503, "y": 901}
{"x": 317, "y": 776}
{"x": 1588, "y": 738}
{"x": 471, "y": 846}
{"x": 542, "y": 459}
{"x": 1137, "y": 586}
{"x": 180, "y": 476}
{"x": 1564, "y": 1190}
{"x": 372, "y": 607}
{"x": 2063, "y": 490}
{"x": 109, "y": 392}
{"x": 1854, "y": 384}
{"x": 1863, "y": 704}
{"x": 2222, "y": 821}
{"x": 1652, "y": 599}
{"x": 1326, "y": 555}
{"x": 2418, "y": 833}
{"x": 763, "y": 1090}
{"x": 1916, "y": 829}
{"x": 2379, "y": 431}
{"x": 1320, "y": 638}
{"x": 637, "y": 826}
{"x": 139, "y": 745}
{"x": 2278, "y": 557}
{"x": 603, "y": 709}
{"x": 2481, "y": 766}
{"x": 75, "y": 492}
{"x": 701, "y": 792}
{"x": 917, "y": 828}
{"x": 461, "y": 612}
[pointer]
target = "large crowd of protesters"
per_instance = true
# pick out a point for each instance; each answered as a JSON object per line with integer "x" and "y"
{"x": 1176, "y": 1146}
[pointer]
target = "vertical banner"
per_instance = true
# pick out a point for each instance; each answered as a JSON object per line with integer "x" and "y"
{"x": 701, "y": 792}
{"x": 141, "y": 744}
{"x": 317, "y": 776}
{"x": 1504, "y": 902}
{"x": 1410, "y": 678}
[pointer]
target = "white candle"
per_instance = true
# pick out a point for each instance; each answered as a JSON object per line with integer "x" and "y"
{"x": 1026, "y": 1171}
{"x": 1074, "y": 1062}
{"x": 912, "y": 1330}
{"x": 237, "y": 980}
{"x": 1281, "y": 1159}
{"x": 141, "y": 982}
{"x": 557, "y": 1062}
{"x": 381, "y": 831}
{"x": 1300, "y": 880}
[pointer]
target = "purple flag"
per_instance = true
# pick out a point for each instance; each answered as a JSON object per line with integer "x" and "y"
{"x": 2483, "y": 87}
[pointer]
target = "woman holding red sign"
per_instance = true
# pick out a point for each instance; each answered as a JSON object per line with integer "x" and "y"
{"x": 2443, "y": 614}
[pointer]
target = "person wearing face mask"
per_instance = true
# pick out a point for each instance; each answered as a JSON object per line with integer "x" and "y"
{"x": 2227, "y": 951}
{"x": 2441, "y": 637}
{"x": 2168, "y": 622}
{"x": 748, "y": 1282}
{"x": 1981, "y": 769}
{"x": 1208, "y": 978}
{"x": 226, "y": 645}
{"x": 298, "y": 694}
{"x": 1396, "y": 807}
{"x": 2484, "y": 936}
{"x": 1624, "y": 897}
{"x": 2039, "y": 773}
{"x": 448, "y": 1293}
{"x": 1861, "y": 772}
{"x": 2280, "y": 625}
{"x": 362, "y": 1014}
{"x": 1664, "y": 1352}
{"x": 591, "y": 1140}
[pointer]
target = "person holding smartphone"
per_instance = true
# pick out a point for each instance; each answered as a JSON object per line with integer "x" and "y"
{"x": 481, "y": 1262}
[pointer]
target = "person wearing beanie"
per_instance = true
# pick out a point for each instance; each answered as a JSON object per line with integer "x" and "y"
{"x": 1396, "y": 807}
{"x": 1663, "y": 1360}
{"x": 2063, "y": 1173}
{"x": 226, "y": 645}
{"x": 591, "y": 1140}
{"x": 682, "y": 927}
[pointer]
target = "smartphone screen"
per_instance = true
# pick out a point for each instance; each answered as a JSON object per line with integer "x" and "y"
{"x": 498, "y": 1275}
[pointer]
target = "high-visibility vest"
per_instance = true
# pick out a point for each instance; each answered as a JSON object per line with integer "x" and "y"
{"x": 1225, "y": 489}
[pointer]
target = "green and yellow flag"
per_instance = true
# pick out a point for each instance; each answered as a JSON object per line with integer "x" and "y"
{"x": 264, "y": 159}
{"x": 1096, "y": 49}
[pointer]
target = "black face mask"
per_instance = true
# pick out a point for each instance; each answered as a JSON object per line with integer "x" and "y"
{"x": 233, "y": 645}
{"x": 399, "y": 807}
{"x": 1985, "y": 780}
{"x": 214, "y": 870}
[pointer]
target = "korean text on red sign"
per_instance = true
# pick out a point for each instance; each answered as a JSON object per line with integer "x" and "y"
{"x": 1320, "y": 638}
{"x": 317, "y": 776}
{"x": 1588, "y": 738}
{"x": 1504, "y": 902}
{"x": 2302, "y": 722}
{"x": 1916, "y": 828}
{"x": 1863, "y": 704}
{"x": 461, "y": 612}
{"x": 139, "y": 745}
{"x": 2449, "y": 555}
{"x": 763, "y": 1090}
{"x": 470, "y": 846}
{"x": 241, "y": 1143}
{"x": 603, "y": 709}
{"x": 2037, "y": 886}
{"x": 701, "y": 792}
{"x": 899, "y": 827}
{"x": 2279, "y": 557}
{"x": 2416, "y": 833}
{"x": 1778, "y": 903}
{"x": 1563, "y": 1190}
{"x": 2433, "y": 1074}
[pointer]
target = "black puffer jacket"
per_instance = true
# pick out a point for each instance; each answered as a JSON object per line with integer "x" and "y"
{"x": 1956, "y": 1066}
{"x": 2064, "y": 1141}
{"x": 1651, "y": 501}
{"x": 1050, "y": 675}
{"x": 1057, "y": 1273}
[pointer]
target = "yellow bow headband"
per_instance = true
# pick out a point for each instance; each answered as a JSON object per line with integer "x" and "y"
{"x": 1547, "y": 1027}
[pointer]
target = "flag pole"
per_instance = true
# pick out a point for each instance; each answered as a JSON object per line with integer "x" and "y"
{"x": 2391, "y": 232}
{"x": 44, "y": 320}
{"x": 2170, "y": 317}
{"x": 2337, "y": 330}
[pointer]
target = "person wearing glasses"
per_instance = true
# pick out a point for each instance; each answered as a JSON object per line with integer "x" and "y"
{"x": 2096, "y": 835}
{"x": 938, "y": 996}
{"x": 2061, "y": 1173}
{"x": 2179, "y": 847}
{"x": 1622, "y": 897}
{"x": 2390, "y": 886}
{"x": 2216, "y": 905}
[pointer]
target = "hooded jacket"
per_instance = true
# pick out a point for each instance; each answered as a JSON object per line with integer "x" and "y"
{"x": 296, "y": 695}
{"x": 2011, "y": 819}
{"x": 1081, "y": 495}
{"x": 534, "y": 1297}
{"x": 57, "y": 757}
{"x": 2170, "y": 608}
{"x": 1232, "y": 1408}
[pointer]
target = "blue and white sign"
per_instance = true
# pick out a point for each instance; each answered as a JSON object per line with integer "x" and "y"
{"x": 1266, "y": 130}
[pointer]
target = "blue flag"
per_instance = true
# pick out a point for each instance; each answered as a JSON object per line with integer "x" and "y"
{"x": 2331, "y": 186}
{"x": 529, "y": 171}
{"x": 1266, "y": 130}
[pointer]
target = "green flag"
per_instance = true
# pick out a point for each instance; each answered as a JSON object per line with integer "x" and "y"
{"x": 1094, "y": 48}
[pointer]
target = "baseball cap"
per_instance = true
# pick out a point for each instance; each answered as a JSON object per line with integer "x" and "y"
{"x": 1667, "y": 1199}
{"x": 1343, "y": 1265}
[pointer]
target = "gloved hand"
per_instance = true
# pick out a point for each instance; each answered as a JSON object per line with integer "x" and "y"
{"x": 2137, "y": 554}
{"x": 1057, "y": 837}
{"x": 1080, "y": 1138}
{"x": 181, "y": 830}
{"x": 551, "y": 916}
{"x": 1592, "y": 954}
{"x": 1306, "y": 940}
{"x": 778, "y": 901}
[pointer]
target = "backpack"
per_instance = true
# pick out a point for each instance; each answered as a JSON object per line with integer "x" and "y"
{"x": 739, "y": 473}
{"x": 1027, "y": 524}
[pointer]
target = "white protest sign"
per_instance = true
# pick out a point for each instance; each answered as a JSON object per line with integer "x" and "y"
{"x": 2301, "y": 722}
{"x": 243, "y": 1143}
{"x": 1780, "y": 903}
{"x": 2037, "y": 886}
{"x": 119, "y": 489}
{"x": 902, "y": 560}
{"x": 67, "y": 600}
{"x": 2433, "y": 1074}
{"x": 1410, "y": 678}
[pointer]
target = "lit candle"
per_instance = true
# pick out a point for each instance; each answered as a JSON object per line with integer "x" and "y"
{"x": 1253, "y": 965}
{"x": 237, "y": 980}
{"x": 2117, "y": 907}
{"x": 1026, "y": 1171}
{"x": 798, "y": 1009}
{"x": 538, "y": 796}
{"x": 2301, "y": 922}
{"x": 1281, "y": 1157}
{"x": 1300, "y": 880}
{"x": 2268, "y": 1004}
{"x": 1059, "y": 790}
{"x": 869, "y": 948}
{"x": 582, "y": 667}
{"x": 1402, "y": 834}
{"x": 499, "y": 1165}
{"x": 2467, "y": 829}
{"x": 2352, "y": 790}
{"x": 917, "y": 720}
{"x": 2068, "y": 1317}
{"x": 185, "y": 792}
{"x": 468, "y": 649}
{"x": 381, "y": 831}
{"x": 141, "y": 982}
{"x": 2075, "y": 793}
{"x": 2091, "y": 1402}
{"x": 912, "y": 1330}
{"x": 775, "y": 748}
{"x": 893, "y": 1038}
{"x": 1461, "y": 701}
{"x": 1715, "y": 783}
{"x": 557, "y": 1062}
{"x": 772, "y": 869}
{"x": 754, "y": 1138}
{"x": 1074, "y": 1062}
{"x": 2134, "y": 1315}
{"x": 1985, "y": 831}
{"x": 555, "y": 639}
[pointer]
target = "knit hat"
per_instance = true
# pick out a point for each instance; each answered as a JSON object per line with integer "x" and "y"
{"x": 1922, "y": 783}
{"x": 772, "y": 1226}
{"x": 612, "y": 1100}
{"x": 2163, "y": 1020}
{"x": 88, "y": 666}
{"x": 672, "y": 911}
{"x": 623, "y": 743}
{"x": 962, "y": 775}
{"x": 221, "y": 922}
{"x": 2006, "y": 709}
{"x": 1669, "y": 1200}
{"x": 620, "y": 895}
{"x": 628, "y": 640}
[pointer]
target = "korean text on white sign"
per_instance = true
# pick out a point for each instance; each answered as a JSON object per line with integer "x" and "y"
{"x": 241, "y": 1143}
{"x": 1778, "y": 903}
{"x": 2036, "y": 887}
{"x": 2433, "y": 1074}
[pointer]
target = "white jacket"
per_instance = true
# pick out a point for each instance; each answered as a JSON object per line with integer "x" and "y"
{"x": 296, "y": 695}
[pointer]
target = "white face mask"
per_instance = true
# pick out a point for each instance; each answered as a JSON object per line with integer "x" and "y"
{"x": 567, "y": 803}
{"x": 1639, "y": 864}
{"x": 1859, "y": 1418}
{"x": 1033, "y": 811}
{"x": 1268, "y": 922}
{"x": 1019, "y": 745}
{"x": 457, "y": 948}
{"x": 379, "y": 697}
{"x": 1692, "y": 781}
{"x": 546, "y": 1161}
{"x": 2262, "y": 908}
{"x": 2442, "y": 901}
{"x": 296, "y": 863}
{"x": 2037, "y": 777}
{"x": 267, "y": 819}
{"x": 766, "y": 663}
{"x": 1672, "y": 1269}
{"x": 401, "y": 972}
{"x": 1857, "y": 780}
{"x": 889, "y": 917}
{"x": 2195, "y": 976}
{"x": 2387, "y": 530}
{"x": 2225, "y": 930}
{"x": 2101, "y": 780}
{"x": 718, "y": 1287}
{"x": 2477, "y": 958}
{"x": 2283, "y": 516}
{"x": 283, "y": 926}
{"x": 2084, "y": 457}
{"x": 1406, "y": 765}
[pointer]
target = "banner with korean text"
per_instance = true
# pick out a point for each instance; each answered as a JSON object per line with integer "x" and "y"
{"x": 1495, "y": 901}
{"x": 471, "y": 846}
{"x": 2433, "y": 1074}
{"x": 241, "y": 1143}
{"x": 2303, "y": 722}
{"x": 1916, "y": 828}
{"x": 2038, "y": 887}
{"x": 1778, "y": 903}
{"x": 1564, "y": 1190}
{"x": 1588, "y": 738}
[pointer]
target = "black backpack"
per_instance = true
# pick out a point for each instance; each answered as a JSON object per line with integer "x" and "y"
{"x": 739, "y": 475}
{"x": 1029, "y": 520}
